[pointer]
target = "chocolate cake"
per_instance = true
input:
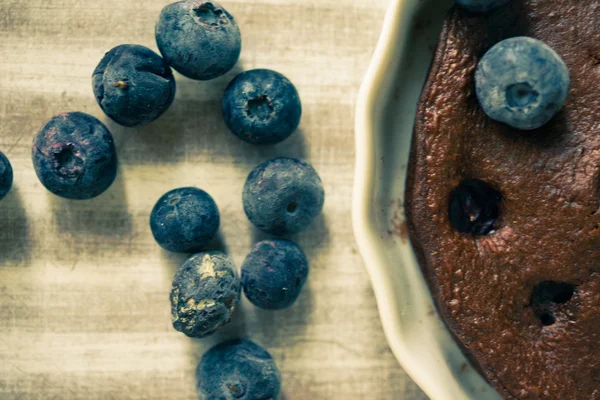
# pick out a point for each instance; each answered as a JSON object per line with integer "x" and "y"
{"x": 517, "y": 279}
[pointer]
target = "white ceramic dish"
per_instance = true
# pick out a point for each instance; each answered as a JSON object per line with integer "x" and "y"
{"x": 385, "y": 113}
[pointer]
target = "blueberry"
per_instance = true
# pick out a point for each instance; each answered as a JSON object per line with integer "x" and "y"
{"x": 74, "y": 156}
{"x": 474, "y": 207}
{"x": 185, "y": 220}
{"x": 481, "y": 5}
{"x": 522, "y": 82}
{"x": 237, "y": 369}
{"x": 6, "y": 176}
{"x": 205, "y": 291}
{"x": 200, "y": 39}
{"x": 273, "y": 274}
{"x": 133, "y": 85}
{"x": 261, "y": 107}
{"x": 283, "y": 196}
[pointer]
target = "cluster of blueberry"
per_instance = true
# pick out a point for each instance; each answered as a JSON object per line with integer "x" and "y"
{"x": 75, "y": 157}
{"x": 281, "y": 196}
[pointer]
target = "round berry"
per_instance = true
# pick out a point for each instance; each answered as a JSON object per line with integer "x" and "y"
{"x": 283, "y": 196}
{"x": 273, "y": 274}
{"x": 206, "y": 289}
{"x": 6, "y": 176}
{"x": 185, "y": 220}
{"x": 133, "y": 85}
{"x": 261, "y": 107}
{"x": 237, "y": 370}
{"x": 199, "y": 39}
{"x": 74, "y": 156}
{"x": 474, "y": 207}
{"x": 522, "y": 82}
{"x": 481, "y": 5}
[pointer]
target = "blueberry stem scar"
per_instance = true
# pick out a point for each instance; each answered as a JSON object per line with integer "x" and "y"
{"x": 260, "y": 107}
{"x": 121, "y": 85}
{"x": 292, "y": 206}
{"x": 209, "y": 14}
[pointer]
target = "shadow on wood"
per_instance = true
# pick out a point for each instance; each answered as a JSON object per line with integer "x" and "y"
{"x": 160, "y": 141}
{"x": 15, "y": 246}
{"x": 105, "y": 215}
{"x": 193, "y": 125}
{"x": 314, "y": 238}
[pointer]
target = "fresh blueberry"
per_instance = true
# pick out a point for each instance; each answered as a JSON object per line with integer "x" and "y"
{"x": 200, "y": 39}
{"x": 273, "y": 274}
{"x": 261, "y": 107}
{"x": 522, "y": 82}
{"x": 6, "y": 176}
{"x": 237, "y": 370}
{"x": 474, "y": 207}
{"x": 283, "y": 196}
{"x": 133, "y": 85}
{"x": 185, "y": 220}
{"x": 481, "y": 5}
{"x": 74, "y": 156}
{"x": 206, "y": 289}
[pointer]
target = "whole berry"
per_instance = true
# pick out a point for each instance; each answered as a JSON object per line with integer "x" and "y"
{"x": 74, "y": 156}
{"x": 133, "y": 85}
{"x": 522, "y": 82}
{"x": 205, "y": 291}
{"x": 185, "y": 220}
{"x": 481, "y": 5}
{"x": 283, "y": 196}
{"x": 273, "y": 274}
{"x": 237, "y": 370}
{"x": 474, "y": 207}
{"x": 261, "y": 107}
{"x": 6, "y": 176}
{"x": 200, "y": 39}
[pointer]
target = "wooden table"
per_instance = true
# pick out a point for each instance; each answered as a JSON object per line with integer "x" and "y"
{"x": 84, "y": 309}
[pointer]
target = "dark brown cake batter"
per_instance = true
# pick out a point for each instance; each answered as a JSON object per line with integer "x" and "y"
{"x": 524, "y": 299}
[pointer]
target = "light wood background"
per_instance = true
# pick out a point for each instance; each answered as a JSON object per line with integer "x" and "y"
{"x": 84, "y": 309}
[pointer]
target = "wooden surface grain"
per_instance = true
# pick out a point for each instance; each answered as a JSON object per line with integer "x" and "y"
{"x": 84, "y": 310}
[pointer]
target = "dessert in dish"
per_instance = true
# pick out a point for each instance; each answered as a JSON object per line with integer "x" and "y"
{"x": 506, "y": 222}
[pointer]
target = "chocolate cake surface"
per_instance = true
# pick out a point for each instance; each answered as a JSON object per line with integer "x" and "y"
{"x": 521, "y": 290}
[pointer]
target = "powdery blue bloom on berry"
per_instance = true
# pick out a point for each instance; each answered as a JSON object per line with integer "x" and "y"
{"x": 522, "y": 82}
{"x": 185, "y": 220}
{"x": 274, "y": 273}
{"x": 237, "y": 370}
{"x": 261, "y": 107}
{"x": 133, "y": 85}
{"x": 199, "y": 39}
{"x": 74, "y": 156}
{"x": 205, "y": 292}
{"x": 283, "y": 196}
{"x": 6, "y": 176}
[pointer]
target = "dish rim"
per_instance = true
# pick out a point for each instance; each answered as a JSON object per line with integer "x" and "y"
{"x": 448, "y": 380}
{"x": 363, "y": 218}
